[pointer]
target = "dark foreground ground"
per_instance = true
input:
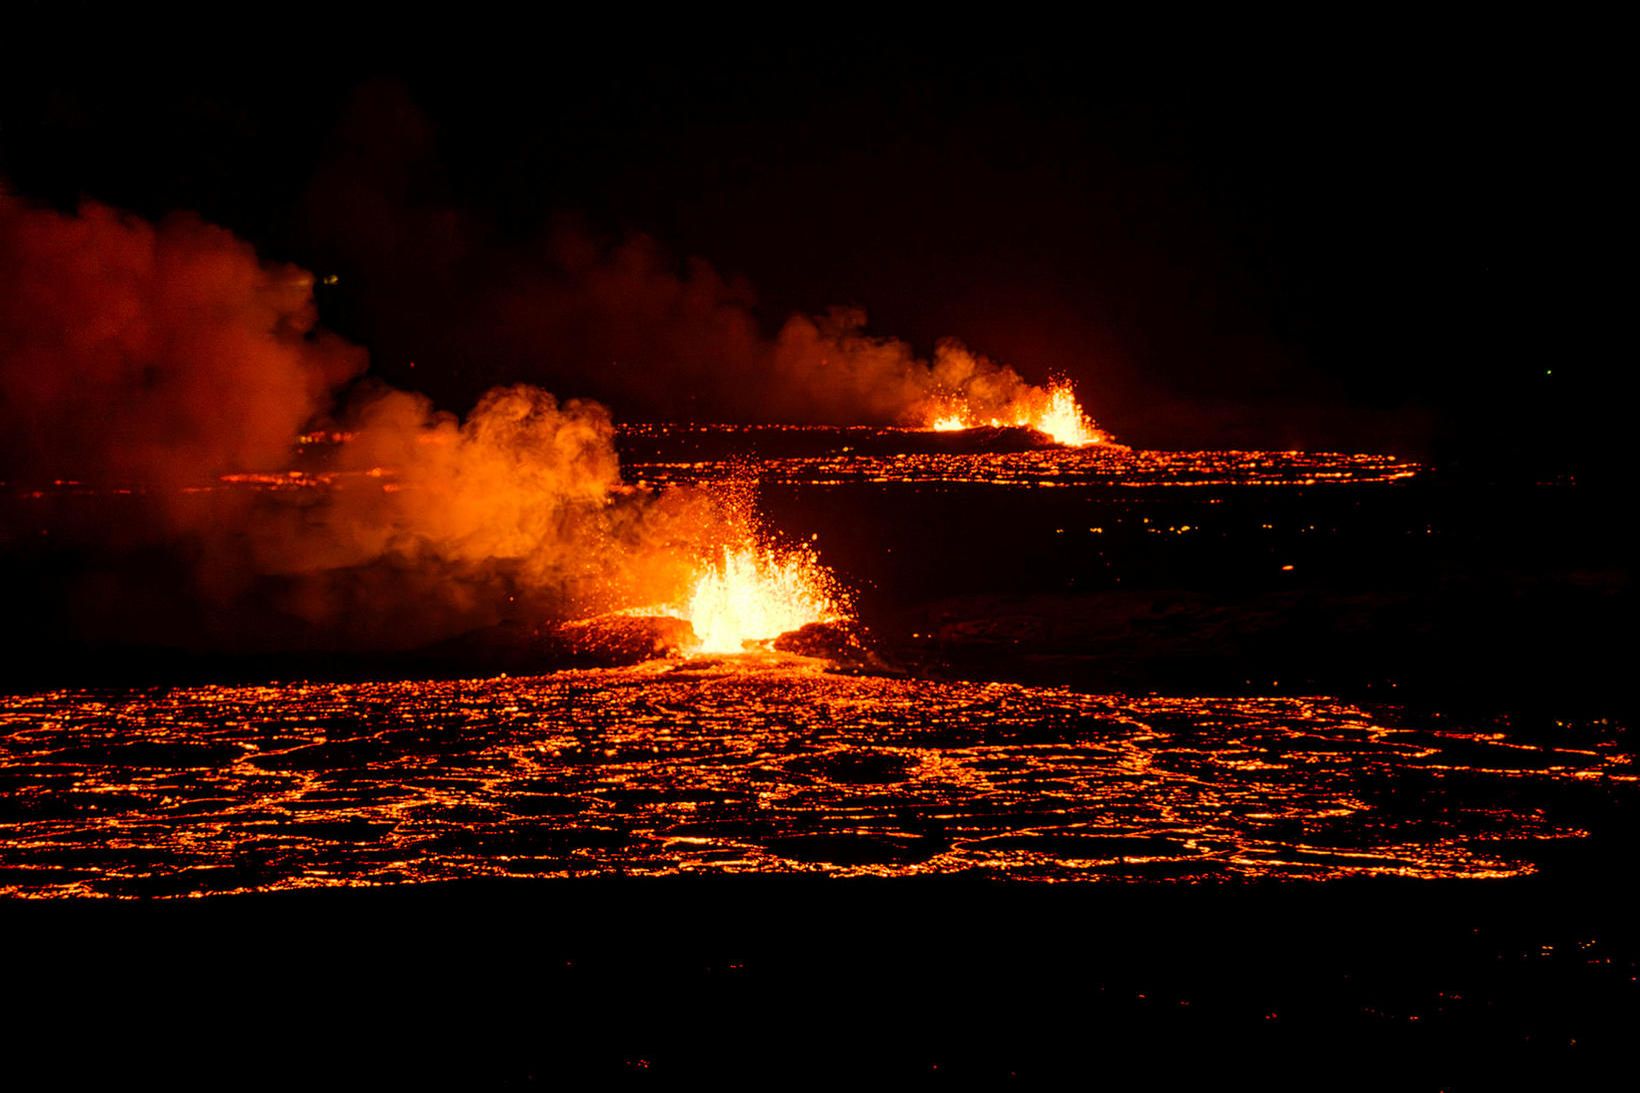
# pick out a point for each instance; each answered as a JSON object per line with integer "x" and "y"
{"x": 776, "y": 982}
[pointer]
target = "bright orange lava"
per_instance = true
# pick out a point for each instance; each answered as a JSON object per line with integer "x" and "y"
{"x": 751, "y": 595}
{"x": 1054, "y": 413}
{"x": 1066, "y": 421}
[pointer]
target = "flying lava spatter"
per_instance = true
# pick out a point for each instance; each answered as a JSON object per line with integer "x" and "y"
{"x": 751, "y": 594}
{"x": 747, "y": 589}
{"x": 376, "y": 520}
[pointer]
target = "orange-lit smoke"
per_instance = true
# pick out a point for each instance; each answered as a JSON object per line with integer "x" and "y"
{"x": 665, "y": 342}
{"x": 168, "y": 358}
{"x": 620, "y": 319}
{"x": 131, "y": 352}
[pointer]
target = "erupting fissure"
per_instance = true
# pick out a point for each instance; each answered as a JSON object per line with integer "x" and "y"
{"x": 1055, "y": 413}
{"x": 752, "y": 594}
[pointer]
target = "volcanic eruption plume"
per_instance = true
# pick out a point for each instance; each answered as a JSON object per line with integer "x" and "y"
{"x": 169, "y": 365}
{"x": 833, "y": 361}
{"x": 657, "y": 339}
{"x": 620, "y": 318}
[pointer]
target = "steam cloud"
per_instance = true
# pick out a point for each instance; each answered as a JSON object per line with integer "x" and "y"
{"x": 165, "y": 358}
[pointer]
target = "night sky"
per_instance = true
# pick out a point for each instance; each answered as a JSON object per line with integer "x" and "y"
{"x": 1388, "y": 242}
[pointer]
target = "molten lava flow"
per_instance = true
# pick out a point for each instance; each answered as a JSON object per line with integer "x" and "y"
{"x": 1055, "y": 413}
{"x": 752, "y": 595}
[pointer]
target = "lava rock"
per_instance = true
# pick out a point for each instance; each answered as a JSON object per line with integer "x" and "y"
{"x": 611, "y": 640}
{"x": 824, "y": 640}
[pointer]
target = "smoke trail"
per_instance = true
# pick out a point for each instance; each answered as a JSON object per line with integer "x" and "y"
{"x": 619, "y": 319}
{"x": 131, "y": 352}
{"x": 169, "y": 359}
{"x": 666, "y": 343}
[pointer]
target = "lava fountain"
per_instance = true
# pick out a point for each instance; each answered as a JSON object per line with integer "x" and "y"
{"x": 1065, "y": 421}
{"x": 752, "y": 594}
{"x": 1055, "y": 413}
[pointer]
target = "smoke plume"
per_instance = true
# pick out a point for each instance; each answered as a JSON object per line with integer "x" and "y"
{"x": 136, "y": 353}
{"x": 665, "y": 339}
{"x": 177, "y": 375}
{"x": 617, "y": 317}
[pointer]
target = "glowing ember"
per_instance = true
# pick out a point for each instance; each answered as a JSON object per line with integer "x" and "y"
{"x": 1055, "y": 413}
{"x": 753, "y": 595}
